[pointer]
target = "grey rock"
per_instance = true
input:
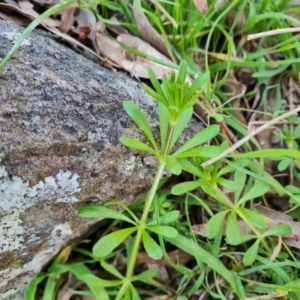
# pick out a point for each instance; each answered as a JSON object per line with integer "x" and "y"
{"x": 61, "y": 118}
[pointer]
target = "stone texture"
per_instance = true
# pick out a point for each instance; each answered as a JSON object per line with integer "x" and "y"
{"x": 61, "y": 118}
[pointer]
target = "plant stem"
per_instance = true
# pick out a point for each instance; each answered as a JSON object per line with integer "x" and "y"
{"x": 141, "y": 228}
{"x": 170, "y": 136}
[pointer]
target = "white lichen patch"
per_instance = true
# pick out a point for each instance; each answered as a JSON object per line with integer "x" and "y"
{"x": 11, "y": 231}
{"x": 133, "y": 163}
{"x": 60, "y": 232}
{"x": 16, "y": 195}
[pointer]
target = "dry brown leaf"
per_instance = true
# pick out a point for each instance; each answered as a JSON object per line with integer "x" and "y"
{"x": 12, "y": 2}
{"x": 86, "y": 24}
{"x": 277, "y": 249}
{"x": 67, "y": 19}
{"x": 27, "y": 8}
{"x": 116, "y": 29}
{"x": 136, "y": 66}
{"x": 46, "y": 3}
{"x": 50, "y": 28}
{"x": 20, "y": 20}
{"x": 149, "y": 34}
{"x": 201, "y": 5}
{"x": 273, "y": 218}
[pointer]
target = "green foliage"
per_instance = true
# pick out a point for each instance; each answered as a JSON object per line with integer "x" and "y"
{"x": 228, "y": 188}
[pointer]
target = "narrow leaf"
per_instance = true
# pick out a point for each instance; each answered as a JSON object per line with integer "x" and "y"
{"x": 189, "y": 167}
{"x": 201, "y": 137}
{"x": 228, "y": 184}
{"x": 196, "y": 85}
{"x": 184, "y": 187}
{"x": 215, "y": 224}
{"x": 167, "y": 218}
{"x": 233, "y": 230}
{"x": 251, "y": 254}
{"x": 173, "y": 165}
{"x": 151, "y": 247}
{"x": 145, "y": 275}
{"x": 96, "y": 281}
{"x": 109, "y": 242}
{"x": 163, "y": 230}
{"x": 203, "y": 256}
{"x": 101, "y": 212}
{"x": 204, "y": 151}
{"x": 163, "y": 125}
{"x": 181, "y": 125}
{"x": 30, "y": 291}
{"x": 279, "y": 230}
{"x": 254, "y": 217}
{"x": 257, "y": 190}
{"x": 136, "y": 144}
{"x": 139, "y": 118}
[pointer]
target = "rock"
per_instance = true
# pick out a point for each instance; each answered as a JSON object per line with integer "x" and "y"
{"x": 61, "y": 118}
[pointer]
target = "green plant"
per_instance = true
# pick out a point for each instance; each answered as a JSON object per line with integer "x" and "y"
{"x": 176, "y": 98}
{"x": 229, "y": 187}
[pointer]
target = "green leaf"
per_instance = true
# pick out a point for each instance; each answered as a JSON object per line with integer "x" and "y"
{"x": 136, "y": 144}
{"x": 279, "y": 230}
{"x": 251, "y": 254}
{"x": 145, "y": 275}
{"x": 134, "y": 293}
{"x": 93, "y": 211}
{"x": 110, "y": 268}
{"x": 201, "y": 137}
{"x": 213, "y": 191}
{"x": 173, "y": 165}
{"x": 215, "y": 224}
{"x": 30, "y": 291}
{"x": 139, "y": 118}
{"x": 81, "y": 271}
{"x": 167, "y": 218}
{"x": 204, "y": 151}
{"x": 267, "y": 153}
{"x": 233, "y": 230}
{"x": 184, "y": 187}
{"x": 240, "y": 180}
{"x": 189, "y": 167}
{"x": 196, "y": 85}
{"x": 163, "y": 125}
{"x": 96, "y": 281}
{"x": 50, "y": 287}
{"x": 163, "y": 230}
{"x": 151, "y": 247}
{"x": 109, "y": 242}
{"x": 227, "y": 184}
{"x": 203, "y": 256}
{"x": 170, "y": 217}
{"x": 284, "y": 164}
{"x": 257, "y": 190}
{"x": 181, "y": 125}
{"x": 254, "y": 217}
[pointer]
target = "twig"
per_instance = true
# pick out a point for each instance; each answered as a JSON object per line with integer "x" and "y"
{"x": 272, "y": 32}
{"x": 251, "y": 134}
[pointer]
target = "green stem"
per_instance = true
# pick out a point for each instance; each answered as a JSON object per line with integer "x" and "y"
{"x": 141, "y": 228}
{"x": 167, "y": 148}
